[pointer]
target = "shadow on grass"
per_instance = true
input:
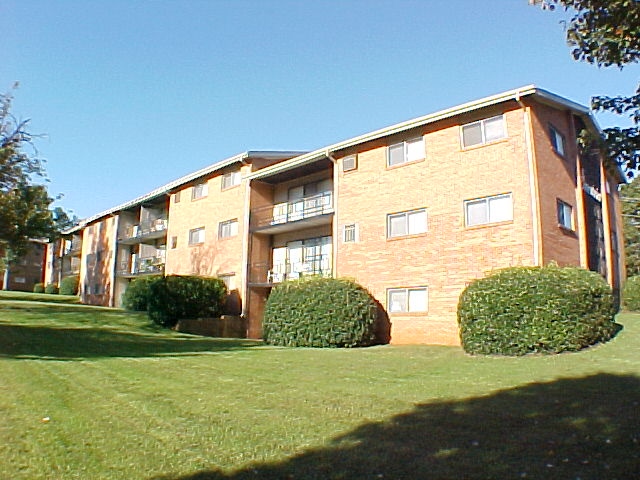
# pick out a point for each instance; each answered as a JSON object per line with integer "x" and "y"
{"x": 51, "y": 343}
{"x": 586, "y": 428}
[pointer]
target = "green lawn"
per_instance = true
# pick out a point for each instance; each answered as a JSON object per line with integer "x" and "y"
{"x": 94, "y": 393}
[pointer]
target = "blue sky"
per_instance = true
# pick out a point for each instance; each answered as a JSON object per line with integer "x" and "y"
{"x": 132, "y": 93}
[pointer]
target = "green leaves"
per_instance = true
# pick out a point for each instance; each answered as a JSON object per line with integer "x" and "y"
{"x": 524, "y": 310}
{"x": 320, "y": 312}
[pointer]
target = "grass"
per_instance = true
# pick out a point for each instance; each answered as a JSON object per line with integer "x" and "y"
{"x": 97, "y": 393}
{"x": 38, "y": 297}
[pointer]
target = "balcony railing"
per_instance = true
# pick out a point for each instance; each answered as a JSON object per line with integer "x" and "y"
{"x": 73, "y": 250}
{"x": 279, "y": 272}
{"x": 141, "y": 266}
{"x": 145, "y": 229}
{"x": 280, "y": 213}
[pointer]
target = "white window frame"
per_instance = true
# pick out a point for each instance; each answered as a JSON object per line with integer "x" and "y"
{"x": 408, "y": 147}
{"x": 406, "y": 216}
{"x": 228, "y": 228}
{"x": 565, "y": 215}
{"x": 200, "y": 190}
{"x": 20, "y": 279}
{"x": 558, "y": 141}
{"x": 483, "y": 131}
{"x": 406, "y": 305}
{"x": 231, "y": 179}
{"x": 197, "y": 236}
{"x": 347, "y": 165}
{"x": 229, "y": 280}
{"x": 490, "y": 219}
{"x": 350, "y": 233}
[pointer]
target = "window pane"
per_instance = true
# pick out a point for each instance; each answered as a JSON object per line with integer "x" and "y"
{"x": 417, "y": 222}
{"x": 415, "y": 150}
{"x": 472, "y": 134}
{"x": 396, "y": 154}
{"x": 493, "y": 129}
{"x": 477, "y": 212}
{"x": 500, "y": 209}
{"x": 397, "y": 225}
{"x": 397, "y": 301}
{"x": 418, "y": 300}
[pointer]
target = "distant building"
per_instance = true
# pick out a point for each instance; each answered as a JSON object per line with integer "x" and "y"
{"x": 28, "y": 270}
{"x": 412, "y": 212}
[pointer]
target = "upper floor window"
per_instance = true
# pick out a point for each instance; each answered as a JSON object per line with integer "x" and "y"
{"x": 557, "y": 141}
{"x": 196, "y": 236}
{"x": 483, "y": 131}
{"x": 176, "y": 197}
{"x": 481, "y": 211}
{"x": 405, "y": 152}
{"x": 406, "y": 223}
{"x": 349, "y": 163}
{"x": 407, "y": 300}
{"x": 174, "y": 242}
{"x": 565, "y": 215}
{"x": 231, "y": 179}
{"x": 228, "y": 229}
{"x": 199, "y": 191}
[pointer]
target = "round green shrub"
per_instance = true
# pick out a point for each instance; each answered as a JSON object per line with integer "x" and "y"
{"x": 52, "y": 288}
{"x": 524, "y": 310}
{"x": 320, "y": 312}
{"x": 38, "y": 288}
{"x": 631, "y": 294}
{"x": 176, "y": 297}
{"x": 69, "y": 286}
{"x": 136, "y": 296}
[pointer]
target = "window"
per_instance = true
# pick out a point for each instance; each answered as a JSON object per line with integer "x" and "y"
{"x": 406, "y": 223}
{"x": 406, "y": 300}
{"x": 199, "y": 191}
{"x": 20, "y": 280}
{"x": 483, "y": 131}
{"x": 174, "y": 242}
{"x": 231, "y": 179}
{"x": 558, "y": 141}
{"x": 350, "y": 233}
{"x": 498, "y": 208}
{"x": 405, "y": 152}
{"x": 196, "y": 236}
{"x": 349, "y": 163}
{"x": 176, "y": 197}
{"x": 565, "y": 215}
{"x": 228, "y": 229}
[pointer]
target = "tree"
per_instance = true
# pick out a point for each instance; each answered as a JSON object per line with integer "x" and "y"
{"x": 606, "y": 33}
{"x": 630, "y": 196}
{"x": 25, "y": 206}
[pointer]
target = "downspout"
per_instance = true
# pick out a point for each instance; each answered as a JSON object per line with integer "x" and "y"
{"x": 244, "y": 287}
{"x": 334, "y": 224}
{"x": 533, "y": 182}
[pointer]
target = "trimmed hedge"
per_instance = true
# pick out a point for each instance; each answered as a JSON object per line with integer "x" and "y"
{"x": 136, "y": 296}
{"x": 52, "y": 289}
{"x": 176, "y": 297}
{"x": 69, "y": 286}
{"x": 320, "y": 312}
{"x": 631, "y": 294}
{"x": 38, "y": 288}
{"x": 524, "y": 310}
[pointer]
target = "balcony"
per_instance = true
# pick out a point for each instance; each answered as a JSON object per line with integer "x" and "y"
{"x": 141, "y": 266}
{"x": 286, "y": 216}
{"x": 150, "y": 230}
{"x": 263, "y": 274}
{"x": 73, "y": 250}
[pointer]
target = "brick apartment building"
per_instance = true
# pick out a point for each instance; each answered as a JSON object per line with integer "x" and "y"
{"x": 26, "y": 271}
{"x": 412, "y": 212}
